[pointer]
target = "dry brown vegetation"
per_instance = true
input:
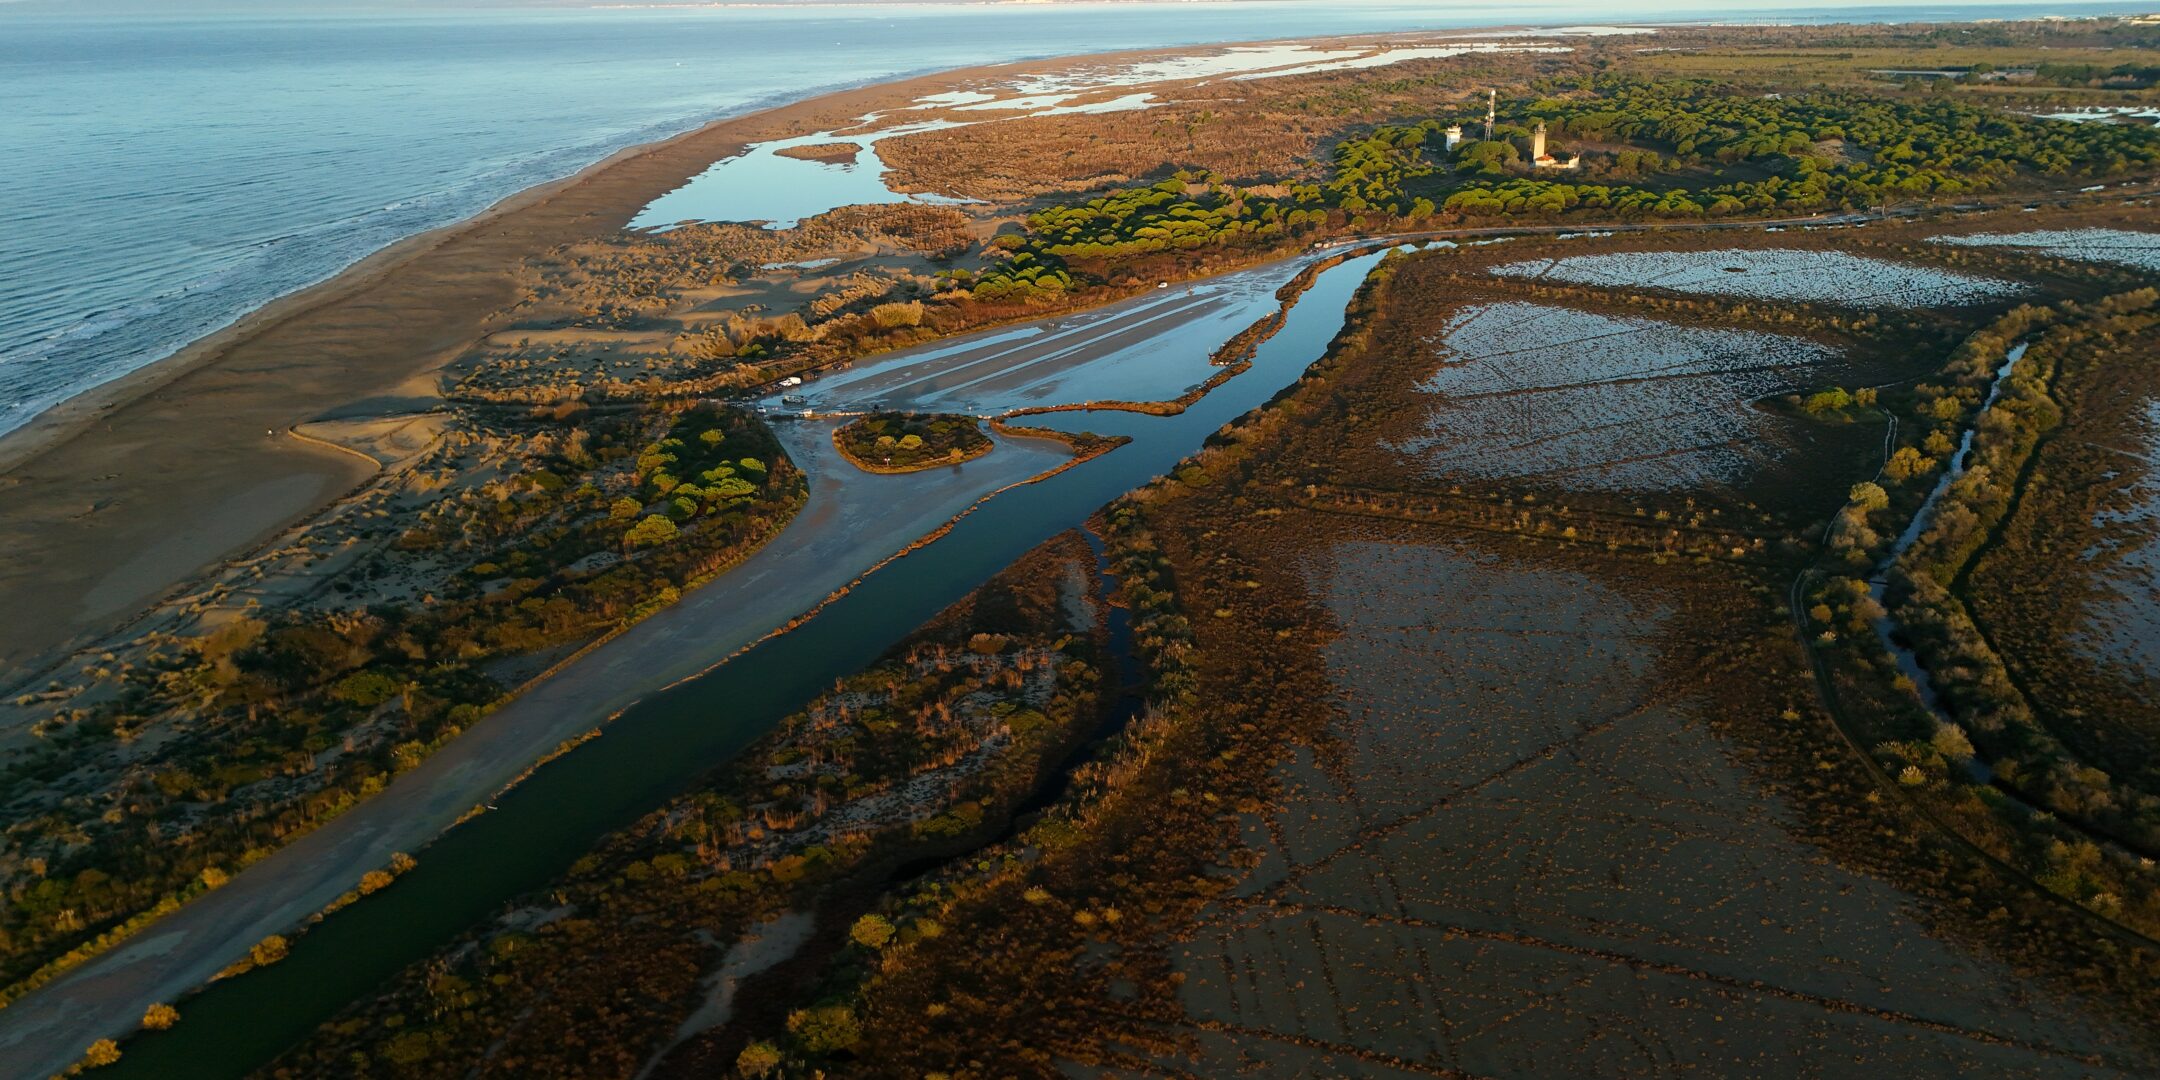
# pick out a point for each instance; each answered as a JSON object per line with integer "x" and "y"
{"x": 927, "y": 752}
{"x": 1426, "y": 800}
{"x": 2065, "y": 589}
{"x": 1671, "y": 514}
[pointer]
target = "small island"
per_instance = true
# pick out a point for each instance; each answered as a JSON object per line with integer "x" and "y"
{"x": 910, "y": 442}
{"x": 832, "y": 153}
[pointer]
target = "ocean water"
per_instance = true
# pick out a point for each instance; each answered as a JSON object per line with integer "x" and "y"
{"x": 164, "y": 174}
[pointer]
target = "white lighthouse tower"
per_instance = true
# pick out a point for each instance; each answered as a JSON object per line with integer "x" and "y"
{"x": 1539, "y": 159}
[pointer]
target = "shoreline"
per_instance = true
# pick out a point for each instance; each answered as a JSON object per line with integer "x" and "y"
{"x": 68, "y": 417}
{"x": 65, "y": 418}
{"x": 122, "y": 496}
{"x": 191, "y": 465}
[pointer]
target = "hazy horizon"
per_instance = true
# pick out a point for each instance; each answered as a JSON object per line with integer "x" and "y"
{"x": 1529, "y": 13}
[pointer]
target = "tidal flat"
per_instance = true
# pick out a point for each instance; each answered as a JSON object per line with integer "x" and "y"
{"x": 2123, "y": 246}
{"x": 1593, "y": 401}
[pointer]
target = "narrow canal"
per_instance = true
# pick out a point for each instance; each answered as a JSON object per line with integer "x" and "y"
{"x": 1887, "y": 628}
{"x": 661, "y": 745}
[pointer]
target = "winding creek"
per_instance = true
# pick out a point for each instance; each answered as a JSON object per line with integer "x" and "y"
{"x": 1891, "y": 633}
{"x": 1886, "y": 627}
{"x": 662, "y": 743}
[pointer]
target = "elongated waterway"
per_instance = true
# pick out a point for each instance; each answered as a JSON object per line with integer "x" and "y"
{"x": 1887, "y": 628}
{"x": 658, "y": 747}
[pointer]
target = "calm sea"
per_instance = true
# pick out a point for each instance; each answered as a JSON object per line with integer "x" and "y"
{"x": 162, "y": 175}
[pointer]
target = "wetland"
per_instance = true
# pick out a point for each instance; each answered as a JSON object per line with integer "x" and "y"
{"x": 1178, "y": 563}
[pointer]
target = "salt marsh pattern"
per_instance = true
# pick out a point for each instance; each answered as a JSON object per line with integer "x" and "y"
{"x": 1770, "y": 274}
{"x": 2122, "y": 246}
{"x": 2124, "y": 626}
{"x": 1602, "y": 402}
{"x": 1525, "y": 858}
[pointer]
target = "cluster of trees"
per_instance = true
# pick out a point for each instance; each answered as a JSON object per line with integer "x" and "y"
{"x": 1799, "y": 153}
{"x": 1183, "y": 213}
{"x": 1842, "y": 148}
{"x": 905, "y": 442}
{"x": 1026, "y": 275}
{"x": 1837, "y": 399}
{"x": 2121, "y": 76}
{"x": 1374, "y": 172}
{"x": 290, "y": 719}
{"x": 1822, "y": 151}
{"x": 1988, "y": 714}
{"x": 701, "y": 446}
{"x": 1543, "y": 198}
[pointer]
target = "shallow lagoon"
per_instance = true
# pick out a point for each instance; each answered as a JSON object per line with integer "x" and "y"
{"x": 761, "y": 184}
{"x": 1793, "y": 275}
{"x": 2123, "y": 246}
{"x": 1152, "y": 347}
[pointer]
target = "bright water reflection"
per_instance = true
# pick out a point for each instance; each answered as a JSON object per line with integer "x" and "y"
{"x": 762, "y": 184}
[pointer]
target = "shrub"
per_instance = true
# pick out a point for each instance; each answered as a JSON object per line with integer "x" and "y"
{"x": 757, "y": 1059}
{"x": 651, "y": 532}
{"x": 825, "y": 1029}
{"x": 872, "y": 931}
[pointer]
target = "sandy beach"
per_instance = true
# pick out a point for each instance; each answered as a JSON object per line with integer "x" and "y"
{"x": 116, "y": 498}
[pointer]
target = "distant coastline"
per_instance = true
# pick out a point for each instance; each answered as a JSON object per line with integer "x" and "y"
{"x": 61, "y": 420}
{"x": 55, "y": 418}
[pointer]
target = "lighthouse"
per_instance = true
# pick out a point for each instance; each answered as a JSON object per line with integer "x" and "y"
{"x": 1539, "y": 159}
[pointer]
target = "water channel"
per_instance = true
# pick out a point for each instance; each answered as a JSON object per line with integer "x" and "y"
{"x": 1886, "y": 628}
{"x": 660, "y": 746}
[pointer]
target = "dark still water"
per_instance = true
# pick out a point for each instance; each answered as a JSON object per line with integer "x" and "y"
{"x": 661, "y": 744}
{"x": 161, "y": 175}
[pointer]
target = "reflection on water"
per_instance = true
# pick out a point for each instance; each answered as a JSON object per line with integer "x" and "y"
{"x": 761, "y": 184}
{"x": 1153, "y": 347}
